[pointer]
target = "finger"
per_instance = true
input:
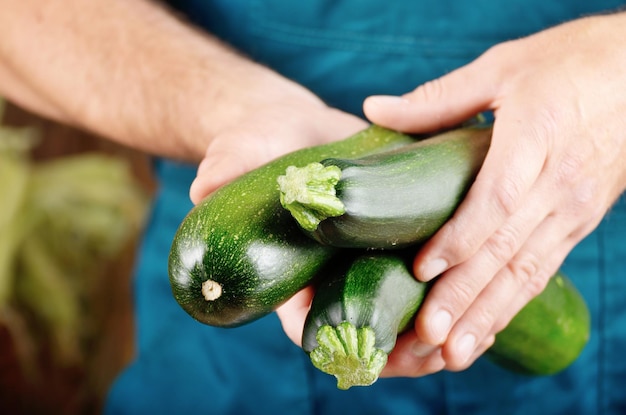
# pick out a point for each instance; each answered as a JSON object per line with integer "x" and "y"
{"x": 215, "y": 170}
{"x": 407, "y": 365}
{"x": 232, "y": 155}
{"x": 552, "y": 264}
{"x": 542, "y": 252}
{"x": 235, "y": 153}
{"x": 440, "y": 103}
{"x": 525, "y": 246}
{"x": 478, "y": 352}
{"x": 458, "y": 288}
{"x": 293, "y": 314}
{"x": 404, "y": 361}
{"x": 524, "y": 277}
{"x": 512, "y": 165}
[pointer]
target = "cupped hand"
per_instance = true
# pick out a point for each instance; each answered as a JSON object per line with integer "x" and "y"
{"x": 263, "y": 135}
{"x": 556, "y": 164}
{"x": 267, "y": 133}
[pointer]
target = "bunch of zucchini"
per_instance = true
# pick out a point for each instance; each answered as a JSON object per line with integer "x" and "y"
{"x": 361, "y": 207}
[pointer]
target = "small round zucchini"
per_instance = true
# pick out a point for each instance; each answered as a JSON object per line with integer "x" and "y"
{"x": 388, "y": 200}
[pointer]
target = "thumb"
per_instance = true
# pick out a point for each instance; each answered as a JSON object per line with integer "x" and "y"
{"x": 218, "y": 168}
{"x": 440, "y": 103}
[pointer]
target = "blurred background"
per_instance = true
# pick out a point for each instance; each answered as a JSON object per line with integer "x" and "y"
{"x": 72, "y": 207}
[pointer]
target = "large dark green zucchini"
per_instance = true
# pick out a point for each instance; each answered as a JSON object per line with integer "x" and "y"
{"x": 388, "y": 200}
{"x": 237, "y": 255}
{"x": 359, "y": 310}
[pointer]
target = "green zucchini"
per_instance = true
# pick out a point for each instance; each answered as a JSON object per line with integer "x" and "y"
{"x": 357, "y": 313}
{"x": 361, "y": 307}
{"x": 548, "y": 334}
{"x": 238, "y": 255}
{"x": 388, "y": 200}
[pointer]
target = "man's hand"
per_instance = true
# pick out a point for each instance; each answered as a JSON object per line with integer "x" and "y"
{"x": 556, "y": 164}
{"x": 268, "y": 132}
{"x": 133, "y": 72}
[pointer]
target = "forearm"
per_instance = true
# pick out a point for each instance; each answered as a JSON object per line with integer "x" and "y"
{"x": 130, "y": 71}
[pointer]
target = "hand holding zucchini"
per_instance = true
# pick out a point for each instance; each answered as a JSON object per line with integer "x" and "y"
{"x": 358, "y": 312}
{"x": 238, "y": 255}
{"x": 356, "y": 315}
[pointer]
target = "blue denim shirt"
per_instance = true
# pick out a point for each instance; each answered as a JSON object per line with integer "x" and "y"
{"x": 345, "y": 51}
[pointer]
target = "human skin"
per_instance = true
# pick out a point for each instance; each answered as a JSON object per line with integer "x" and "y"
{"x": 556, "y": 164}
{"x": 130, "y": 71}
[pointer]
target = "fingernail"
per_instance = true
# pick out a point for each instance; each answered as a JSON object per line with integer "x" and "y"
{"x": 465, "y": 346}
{"x": 432, "y": 269}
{"x": 387, "y": 100}
{"x": 423, "y": 350}
{"x": 440, "y": 324}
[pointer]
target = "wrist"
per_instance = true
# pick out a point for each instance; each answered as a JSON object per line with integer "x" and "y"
{"x": 229, "y": 92}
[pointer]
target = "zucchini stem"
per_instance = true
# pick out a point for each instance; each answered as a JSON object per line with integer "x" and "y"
{"x": 309, "y": 193}
{"x": 349, "y": 354}
{"x": 211, "y": 290}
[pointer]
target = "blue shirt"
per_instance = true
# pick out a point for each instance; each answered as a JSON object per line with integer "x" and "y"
{"x": 345, "y": 51}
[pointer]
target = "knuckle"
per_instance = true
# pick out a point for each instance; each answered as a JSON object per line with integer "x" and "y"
{"x": 569, "y": 174}
{"x": 584, "y": 199}
{"x": 460, "y": 244}
{"x": 463, "y": 292}
{"x": 498, "y": 60}
{"x": 495, "y": 54}
{"x": 530, "y": 276}
{"x": 502, "y": 244}
{"x": 463, "y": 249}
{"x": 536, "y": 285}
{"x": 549, "y": 120}
{"x": 431, "y": 91}
{"x": 506, "y": 195}
{"x": 524, "y": 268}
{"x": 569, "y": 169}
